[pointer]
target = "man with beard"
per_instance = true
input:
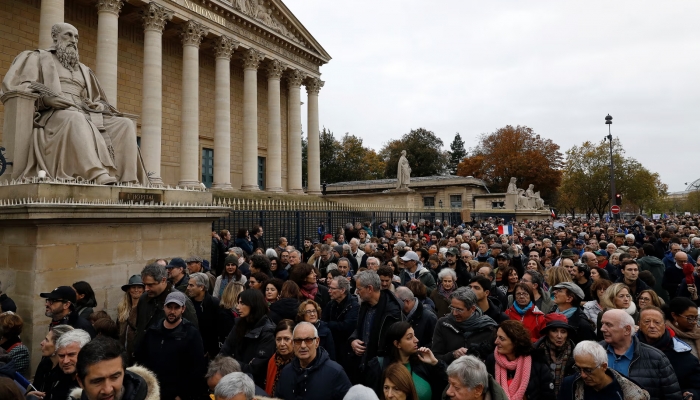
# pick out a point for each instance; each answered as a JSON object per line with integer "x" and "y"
{"x": 173, "y": 349}
{"x": 453, "y": 262}
{"x": 101, "y": 374}
{"x": 67, "y": 349}
{"x": 77, "y": 133}
{"x": 60, "y": 307}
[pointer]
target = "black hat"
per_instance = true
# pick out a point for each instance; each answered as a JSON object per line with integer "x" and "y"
{"x": 556, "y": 320}
{"x": 135, "y": 280}
{"x": 503, "y": 255}
{"x": 65, "y": 293}
{"x": 177, "y": 262}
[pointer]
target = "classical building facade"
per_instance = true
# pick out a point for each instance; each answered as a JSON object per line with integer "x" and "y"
{"x": 214, "y": 85}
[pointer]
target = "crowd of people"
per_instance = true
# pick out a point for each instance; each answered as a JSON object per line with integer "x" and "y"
{"x": 410, "y": 310}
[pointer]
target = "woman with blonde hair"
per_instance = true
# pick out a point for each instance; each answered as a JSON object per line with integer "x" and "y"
{"x": 397, "y": 384}
{"x": 557, "y": 275}
{"x": 617, "y": 296}
{"x": 126, "y": 313}
{"x": 228, "y": 314}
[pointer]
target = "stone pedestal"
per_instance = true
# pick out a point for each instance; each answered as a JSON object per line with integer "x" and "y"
{"x": 17, "y": 129}
{"x": 81, "y": 236}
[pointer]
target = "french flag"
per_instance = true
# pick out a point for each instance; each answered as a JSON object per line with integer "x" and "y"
{"x": 505, "y": 229}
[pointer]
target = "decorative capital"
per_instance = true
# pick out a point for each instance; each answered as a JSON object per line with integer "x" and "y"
{"x": 252, "y": 58}
{"x": 113, "y": 6}
{"x": 275, "y": 68}
{"x": 192, "y": 33}
{"x": 225, "y": 46}
{"x": 314, "y": 85}
{"x": 294, "y": 78}
{"x": 155, "y": 17}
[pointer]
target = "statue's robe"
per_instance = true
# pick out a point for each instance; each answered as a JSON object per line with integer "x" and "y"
{"x": 89, "y": 141}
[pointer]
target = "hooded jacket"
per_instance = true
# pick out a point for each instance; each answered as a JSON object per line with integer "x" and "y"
{"x": 533, "y": 319}
{"x": 422, "y": 274}
{"x": 255, "y": 350}
{"x": 139, "y": 384}
{"x": 322, "y": 379}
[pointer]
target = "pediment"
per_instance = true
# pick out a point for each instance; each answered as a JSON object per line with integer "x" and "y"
{"x": 274, "y": 15}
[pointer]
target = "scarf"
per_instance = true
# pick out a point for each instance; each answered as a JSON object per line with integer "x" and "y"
{"x": 224, "y": 283}
{"x": 413, "y": 310}
{"x": 664, "y": 343}
{"x": 309, "y": 290}
{"x": 280, "y": 363}
{"x": 692, "y": 339}
{"x": 521, "y": 366}
{"x": 472, "y": 324}
{"x": 568, "y": 313}
{"x": 522, "y": 311}
{"x": 558, "y": 358}
{"x": 444, "y": 292}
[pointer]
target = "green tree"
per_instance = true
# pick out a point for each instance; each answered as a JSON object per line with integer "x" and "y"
{"x": 457, "y": 153}
{"x": 586, "y": 180}
{"x": 347, "y": 159}
{"x": 423, "y": 151}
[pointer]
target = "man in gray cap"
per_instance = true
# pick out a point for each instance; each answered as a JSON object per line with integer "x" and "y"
{"x": 413, "y": 269}
{"x": 172, "y": 348}
{"x": 568, "y": 297}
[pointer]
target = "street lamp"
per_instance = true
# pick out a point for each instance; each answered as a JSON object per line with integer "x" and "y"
{"x": 608, "y": 122}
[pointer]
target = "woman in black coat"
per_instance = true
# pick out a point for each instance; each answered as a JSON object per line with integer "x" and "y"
{"x": 513, "y": 349}
{"x": 305, "y": 276}
{"x": 252, "y": 338}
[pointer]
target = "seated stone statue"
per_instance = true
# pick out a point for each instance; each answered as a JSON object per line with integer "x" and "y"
{"x": 530, "y": 192}
{"x": 512, "y": 187}
{"x": 77, "y": 134}
{"x": 522, "y": 200}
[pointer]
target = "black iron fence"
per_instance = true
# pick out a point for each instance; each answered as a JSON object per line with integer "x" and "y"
{"x": 296, "y": 225}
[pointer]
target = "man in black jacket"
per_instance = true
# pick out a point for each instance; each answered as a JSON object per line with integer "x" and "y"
{"x": 453, "y": 261}
{"x": 568, "y": 297}
{"x": 421, "y": 318}
{"x": 207, "y": 308}
{"x": 150, "y": 308}
{"x": 379, "y": 310}
{"x": 256, "y": 236}
{"x": 341, "y": 315}
{"x": 173, "y": 350}
{"x": 60, "y": 307}
{"x": 177, "y": 274}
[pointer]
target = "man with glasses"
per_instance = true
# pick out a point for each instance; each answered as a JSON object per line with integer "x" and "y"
{"x": 640, "y": 362}
{"x": 322, "y": 378}
{"x": 594, "y": 380}
{"x": 341, "y": 314}
{"x": 60, "y": 307}
{"x": 421, "y": 317}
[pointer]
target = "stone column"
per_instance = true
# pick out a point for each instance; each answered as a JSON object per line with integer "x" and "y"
{"x": 107, "y": 41}
{"x": 313, "y": 86}
{"x": 192, "y": 34}
{"x": 51, "y": 13}
{"x": 222, "y": 124}
{"x": 294, "y": 78}
{"x": 274, "y": 127}
{"x": 154, "y": 19}
{"x": 251, "y": 62}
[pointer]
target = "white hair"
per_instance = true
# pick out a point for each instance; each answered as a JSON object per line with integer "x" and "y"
{"x": 359, "y": 392}
{"x": 78, "y": 336}
{"x": 466, "y": 252}
{"x": 270, "y": 253}
{"x": 443, "y": 250}
{"x": 445, "y": 272}
{"x": 355, "y": 240}
{"x": 304, "y": 323}
{"x": 373, "y": 259}
{"x": 624, "y": 319}
{"x": 630, "y": 236}
{"x": 403, "y": 293}
{"x": 593, "y": 349}
{"x": 234, "y": 384}
{"x": 470, "y": 371}
{"x": 464, "y": 246}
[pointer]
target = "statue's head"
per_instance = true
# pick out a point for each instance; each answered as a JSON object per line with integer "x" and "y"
{"x": 403, "y": 152}
{"x": 531, "y": 186}
{"x": 512, "y": 180}
{"x": 65, "y": 42}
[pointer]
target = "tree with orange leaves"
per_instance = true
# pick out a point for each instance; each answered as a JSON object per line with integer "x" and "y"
{"x": 515, "y": 152}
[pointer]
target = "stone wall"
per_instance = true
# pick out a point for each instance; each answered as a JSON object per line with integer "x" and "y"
{"x": 19, "y": 31}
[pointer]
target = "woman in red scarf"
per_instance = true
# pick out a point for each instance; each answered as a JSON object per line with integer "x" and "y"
{"x": 521, "y": 371}
{"x": 304, "y": 275}
{"x": 284, "y": 353}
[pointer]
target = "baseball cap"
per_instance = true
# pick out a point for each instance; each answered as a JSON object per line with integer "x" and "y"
{"x": 176, "y": 297}
{"x": 453, "y": 250}
{"x": 176, "y": 262}
{"x": 503, "y": 255}
{"x": 567, "y": 253}
{"x": 410, "y": 256}
{"x": 579, "y": 241}
{"x": 194, "y": 259}
{"x": 66, "y": 293}
{"x": 572, "y": 288}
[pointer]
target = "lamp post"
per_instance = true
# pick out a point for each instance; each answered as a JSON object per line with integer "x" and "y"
{"x": 608, "y": 122}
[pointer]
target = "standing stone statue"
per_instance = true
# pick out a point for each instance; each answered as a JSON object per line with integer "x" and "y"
{"x": 403, "y": 175}
{"x": 77, "y": 134}
{"x": 512, "y": 188}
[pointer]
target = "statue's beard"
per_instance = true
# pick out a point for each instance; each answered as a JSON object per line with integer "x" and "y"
{"x": 68, "y": 56}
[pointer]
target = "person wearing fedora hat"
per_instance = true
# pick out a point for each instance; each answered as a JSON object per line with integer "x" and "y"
{"x": 126, "y": 313}
{"x": 558, "y": 347}
{"x": 60, "y": 307}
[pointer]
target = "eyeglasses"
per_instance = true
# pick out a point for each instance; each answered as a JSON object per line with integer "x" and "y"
{"x": 524, "y": 281}
{"x": 522, "y": 295}
{"x": 456, "y": 310}
{"x": 308, "y": 341}
{"x": 586, "y": 371}
{"x": 624, "y": 296}
{"x": 691, "y": 320}
{"x": 332, "y": 288}
{"x": 310, "y": 312}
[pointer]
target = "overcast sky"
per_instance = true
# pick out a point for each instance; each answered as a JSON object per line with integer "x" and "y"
{"x": 556, "y": 66}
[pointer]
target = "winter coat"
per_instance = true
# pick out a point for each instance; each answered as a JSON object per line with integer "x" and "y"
{"x": 541, "y": 384}
{"x": 657, "y": 268}
{"x": 495, "y": 391}
{"x": 422, "y": 274}
{"x": 7, "y": 304}
{"x": 494, "y": 310}
{"x": 255, "y": 350}
{"x": 462, "y": 271}
{"x": 77, "y": 322}
{"x": 652, "y": 370}
{"x": 326, "y": 339}
{"x": 585, "y": 328}
{"x": 568, "y": 367}
{"x": 533, "y": 319}
{"x": 8, "y": 389}
{"x": 342, "y": 320}
{"x": 572, "y": 388}
{"x": 388, "y": 311}
{"x": 322, "y": 379}
{"x": 150, "y": 310}
{"x": 139, "y": 384}
{"x": 208, "y": 325}
{"x": 423, "y": 322}
{"x": 245, "y": 244}
{"x": 284, "y": 308}
{"x": 447, "y": 338}
{"x": 442, "y": 305}
{"x": 435, "y": 375}
{"x": 672, "y": 280}
{"x": 684, "y": 363}
{"x": 165, "y": 352}
{"x": 220, "y": 278}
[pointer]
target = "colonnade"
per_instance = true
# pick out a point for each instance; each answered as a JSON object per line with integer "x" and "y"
{"x": 155, "y": 18}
